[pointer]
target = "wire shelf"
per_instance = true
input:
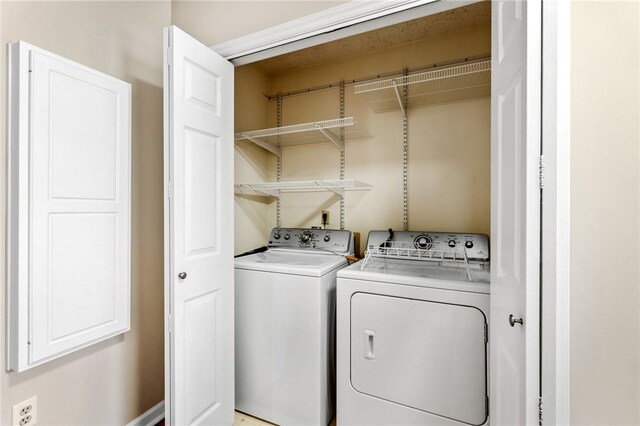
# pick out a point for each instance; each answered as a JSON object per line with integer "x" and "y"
{"x": 455, "y": 83}
{"x": 435, "y": 252}
{"x": 305, "y": 133}
{"x": 276, "y": 189}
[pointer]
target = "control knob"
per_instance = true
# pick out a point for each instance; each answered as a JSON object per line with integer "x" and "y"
{"x": 276, "y": 236}
{"x": 327, "y": 238}
{"x": 287, "y": 236}
{"x": 452, "y": 243}
{"x": 423, "y": 242}
{"x": 305, "y": 237}
{"x": 468, "y": 244}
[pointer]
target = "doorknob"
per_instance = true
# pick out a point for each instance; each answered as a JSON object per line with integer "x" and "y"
{"x": 513, "y": 321}
{"x": 182, "y": 275}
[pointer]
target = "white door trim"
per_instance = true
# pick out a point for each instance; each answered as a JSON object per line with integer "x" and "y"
{"x": 360, "y": 16}
{"x": 332, "y": 24}
{"x": 556, "y": 144}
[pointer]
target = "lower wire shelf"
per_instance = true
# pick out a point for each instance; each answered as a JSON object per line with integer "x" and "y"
{"x": 276, "y": 189}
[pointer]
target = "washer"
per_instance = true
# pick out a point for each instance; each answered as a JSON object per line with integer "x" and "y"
{"x": 285, "y": 326}
{"x": 412, "y": 331}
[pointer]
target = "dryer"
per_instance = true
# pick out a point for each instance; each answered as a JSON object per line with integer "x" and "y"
{"x": 412, "y": 331}
{"x": 284, "y": 326}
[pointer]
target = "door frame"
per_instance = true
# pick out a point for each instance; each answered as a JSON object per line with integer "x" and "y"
{"x": 358, "y": 17}
{"x": 556, "y": 211}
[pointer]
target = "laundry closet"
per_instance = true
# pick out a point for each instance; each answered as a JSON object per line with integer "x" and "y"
{"x": 434, "y": 174}
{"x": 427, "y": 132}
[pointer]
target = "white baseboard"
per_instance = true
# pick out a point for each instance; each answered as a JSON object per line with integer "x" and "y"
{"x": 150, "y": 417}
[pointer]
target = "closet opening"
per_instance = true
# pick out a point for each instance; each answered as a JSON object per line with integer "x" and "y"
{"x": 385, "y": 129}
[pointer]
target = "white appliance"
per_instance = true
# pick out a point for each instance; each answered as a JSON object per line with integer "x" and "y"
{"x": 412, "y": 331}
{"x": 284, "y": 326}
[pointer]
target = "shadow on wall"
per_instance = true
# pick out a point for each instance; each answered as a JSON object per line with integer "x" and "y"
{"x": 147, "y": 219}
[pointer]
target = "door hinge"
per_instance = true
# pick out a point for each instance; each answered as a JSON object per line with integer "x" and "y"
{"x": 486, "y": 333}
{"x": 540, "y": 410}
{"x": 486, "y": 405}
{"x": 541, "y": 171}
{"x": 169, "y": 190}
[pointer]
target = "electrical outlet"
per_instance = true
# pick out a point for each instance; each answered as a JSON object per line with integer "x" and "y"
{"x": 324, "y": 217}
{"x": 25, "y": 413}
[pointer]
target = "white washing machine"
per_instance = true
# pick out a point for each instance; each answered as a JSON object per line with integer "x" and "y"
{"x": 285, "y": 326}
{"x": 412, "y": 331}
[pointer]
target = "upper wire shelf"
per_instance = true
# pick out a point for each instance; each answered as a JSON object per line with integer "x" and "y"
{"x": 453, "y": 83}
{"x": 306, "y": 133}
{"x": 435, "y": 252}
{"x": 276, "y": 189}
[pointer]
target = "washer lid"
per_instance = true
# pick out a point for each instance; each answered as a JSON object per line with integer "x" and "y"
{"x": 290, "y": 262}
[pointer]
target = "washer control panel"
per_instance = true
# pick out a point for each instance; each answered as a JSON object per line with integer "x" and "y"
{"x": 335, "y": 240}
{"x": 476, "y": 245}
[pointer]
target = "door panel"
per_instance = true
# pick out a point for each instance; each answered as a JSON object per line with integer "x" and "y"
{"x": 80, "y": 198}
{"x": 515, "y": 211}
{"x": 199, "y": 226}
{"x": 427, "y": 355}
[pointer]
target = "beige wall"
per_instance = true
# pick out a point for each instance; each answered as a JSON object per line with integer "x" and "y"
{"x": 251, "y": 162}
{"x": 449, "y": 146}
{"x": 112, "y": 382}
{"x": 605, "y": 205}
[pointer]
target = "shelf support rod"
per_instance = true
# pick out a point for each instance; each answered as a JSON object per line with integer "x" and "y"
{"x": 398, "y": 96}
{"x": 342, "y": 155}
{"x": 279, "y": 165}
{"x": 333, "y": 138}
{"x": 264, "y": 144}
{"x": 405, "y": 152}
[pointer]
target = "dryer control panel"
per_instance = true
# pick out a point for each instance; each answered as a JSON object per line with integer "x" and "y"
{"x": 475, "y": 245}
{"x": 334, "y": 240}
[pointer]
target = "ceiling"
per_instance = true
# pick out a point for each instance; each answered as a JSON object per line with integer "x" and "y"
{"x": 454, "y": 20}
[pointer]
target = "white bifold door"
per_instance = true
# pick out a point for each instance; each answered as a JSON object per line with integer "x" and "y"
{"x": 199, "y": 376}
{"x": 515, "y": 212}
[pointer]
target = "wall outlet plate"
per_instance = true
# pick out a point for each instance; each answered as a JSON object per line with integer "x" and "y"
{"x": 25, "y": 412}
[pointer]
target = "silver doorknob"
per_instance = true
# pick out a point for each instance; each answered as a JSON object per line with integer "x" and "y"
{"x": 182, "y": 275}
{"x": 513, "y": 321}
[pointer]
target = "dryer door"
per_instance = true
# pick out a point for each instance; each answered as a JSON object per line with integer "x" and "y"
{"x": 426, "y": 355}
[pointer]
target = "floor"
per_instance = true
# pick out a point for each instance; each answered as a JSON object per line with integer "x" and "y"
{"x": 243, "y": 419}
{"x": 246, "y": 420}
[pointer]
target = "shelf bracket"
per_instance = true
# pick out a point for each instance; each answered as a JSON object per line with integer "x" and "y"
{"x": 400, "y": 101}
{"x": 335, "y": 190}
{"x": 266, "y": 145}
{"x": 270, "y": 192}
{"x": 332, "y": 137}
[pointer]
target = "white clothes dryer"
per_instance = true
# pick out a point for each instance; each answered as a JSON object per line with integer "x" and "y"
{"x": 412, "y": 331}
{"x": 285, "y": 326}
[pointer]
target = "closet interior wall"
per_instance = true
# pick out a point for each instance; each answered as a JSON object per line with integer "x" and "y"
{"x": 449, "y": 145}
